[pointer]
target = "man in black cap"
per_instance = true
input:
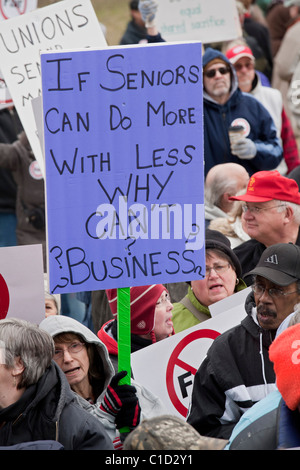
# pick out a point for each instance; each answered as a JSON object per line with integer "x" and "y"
{"x": 237, "y": 371}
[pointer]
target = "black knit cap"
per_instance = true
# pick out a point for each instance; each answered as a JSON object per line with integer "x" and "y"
{"x": 216, "y": 239}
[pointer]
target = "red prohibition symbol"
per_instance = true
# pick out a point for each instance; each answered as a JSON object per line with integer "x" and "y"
{"x": 176, "y": 361}
{"x": 4, "y": 298}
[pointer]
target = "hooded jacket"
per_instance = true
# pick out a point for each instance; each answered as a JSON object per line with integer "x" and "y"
{"x": 48, "y": 411}
{"x": 235, "y": 374}
{"x": 241, "y": 108}
{"x": 108, "y": 335}
{"x": 150, "y": 404}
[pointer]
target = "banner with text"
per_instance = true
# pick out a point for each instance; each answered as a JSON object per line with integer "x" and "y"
{"x": 202, "y": 20}
{"x": 124, "y": 166}
{"x": 63, "y": 25}
{"x": 171, "y": 364}
{"x": 10, "y": 9}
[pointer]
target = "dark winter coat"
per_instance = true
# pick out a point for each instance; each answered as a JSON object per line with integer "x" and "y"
{"x": 48, "y": 410}
{"x": 235, "y": 374}
{"x": 241, "y": 108}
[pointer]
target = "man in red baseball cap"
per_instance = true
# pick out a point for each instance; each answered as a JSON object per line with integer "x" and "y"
{"x": 271, "y": 214}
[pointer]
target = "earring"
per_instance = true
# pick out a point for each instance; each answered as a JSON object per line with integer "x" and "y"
{"x": 237, "y": 281}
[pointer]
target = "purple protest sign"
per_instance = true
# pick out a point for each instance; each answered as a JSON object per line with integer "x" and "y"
{"x": 123, "y": 141}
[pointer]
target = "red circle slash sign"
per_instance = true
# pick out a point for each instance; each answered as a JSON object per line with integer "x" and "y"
{"x": 4, "y": 298}
{"x": 176, "y": 361}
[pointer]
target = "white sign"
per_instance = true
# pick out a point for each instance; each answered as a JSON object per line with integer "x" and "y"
{"x": 204, "y": 20}
{"x": 10, "y": 9}
{"x": 63, "y": 25}
{"x": 168, "y": 367}
{"x": 22, "y": 283}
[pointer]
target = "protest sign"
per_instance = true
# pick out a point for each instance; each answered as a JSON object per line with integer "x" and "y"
{"x": 206, "y": 21}
{"x": 9, "y": 9}
{"x": 22, "y": 283}
{"x": 173, "y": 362}
{"x": 63, "y": 25}
{"x": 12, "y": 8}
{"x": 123, "y": 140}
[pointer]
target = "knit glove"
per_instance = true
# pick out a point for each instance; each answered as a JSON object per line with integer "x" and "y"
{"x": 244, "y": 149}
{"x": 148, "y": 10}
{"x": 121, "y": 402}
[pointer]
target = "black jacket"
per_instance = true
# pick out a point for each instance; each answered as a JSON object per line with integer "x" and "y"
{"x": 48, "y": 410}
{"x": 235, "y": 374}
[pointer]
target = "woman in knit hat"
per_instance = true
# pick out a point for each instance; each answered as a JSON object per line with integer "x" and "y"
{"x": 150, "y": 314}
{"x": 222, "y": 278}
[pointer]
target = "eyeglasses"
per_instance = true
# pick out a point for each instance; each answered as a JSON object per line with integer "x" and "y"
{"x": 219, "y": 269}
{"x": 248, "y": 65}
{"x": 259, "y": 290}
{"x": 74, "y": 348}
{"x": 257, "y": 210}
{"x": 165, "y": 298}
{"x": 211, "y": 73}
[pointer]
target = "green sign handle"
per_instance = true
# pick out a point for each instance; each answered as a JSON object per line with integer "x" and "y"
{"x": 124, "y": 339}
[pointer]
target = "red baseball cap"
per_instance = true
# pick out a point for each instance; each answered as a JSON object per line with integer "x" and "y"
{"x": 237, "y": 52}
{"x": 264, "y": 186}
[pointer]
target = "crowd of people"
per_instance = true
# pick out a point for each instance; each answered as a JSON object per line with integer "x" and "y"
{"x": 60, "y": 386}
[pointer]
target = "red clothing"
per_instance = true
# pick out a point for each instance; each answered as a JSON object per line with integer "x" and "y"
{"x": 289, "y": 144}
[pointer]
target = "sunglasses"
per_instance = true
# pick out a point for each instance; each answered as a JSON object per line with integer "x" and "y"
{"x": 248, "y": 65}
{"x": 222, "y": 70}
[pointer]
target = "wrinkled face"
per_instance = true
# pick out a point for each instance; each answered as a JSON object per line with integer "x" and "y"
{"x": 245, "y": 73}
{"x": 218, "y": 86}
{"x": 163, "y": 324}
{"x": 261, "y": 220}
{"x": 72, "y": 358}
{"x": 272, "y": 310}
{"x": 218, "y": 284}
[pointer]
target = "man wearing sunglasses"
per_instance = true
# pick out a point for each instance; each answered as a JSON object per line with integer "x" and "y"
{"x": 237, "y": 371}
{"x": 243, "y": 60}
{"x": 226, "y": 105}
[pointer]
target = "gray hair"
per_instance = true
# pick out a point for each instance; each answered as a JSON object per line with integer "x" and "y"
{"x": 24, "y": 340}
{"x": 221, "y": 185}
{"x": 295, "y": 207}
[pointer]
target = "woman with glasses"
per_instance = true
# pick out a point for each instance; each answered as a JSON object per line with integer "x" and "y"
{"x": 220, "y": 280}
{"x": 85, "y": 362}
{"x": 36, "y": 404}
{"x": 150, "y": 314}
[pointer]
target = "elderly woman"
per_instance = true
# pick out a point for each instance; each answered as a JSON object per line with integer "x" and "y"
{"x": 36, "y": 403}
{"x": 84, "y": 360}
{"x": 222, "y": 279}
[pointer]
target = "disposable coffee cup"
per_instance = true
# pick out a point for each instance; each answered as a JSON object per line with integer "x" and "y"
{"x": 235, "y": 133}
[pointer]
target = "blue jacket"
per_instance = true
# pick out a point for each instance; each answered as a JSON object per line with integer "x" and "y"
{"x": 240, "y": 106}
{"x": 268, "y": 425}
